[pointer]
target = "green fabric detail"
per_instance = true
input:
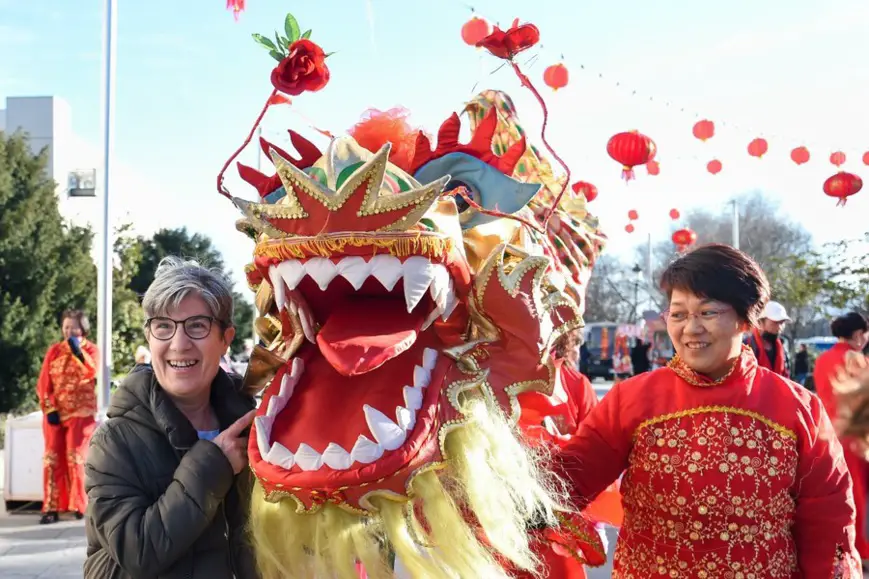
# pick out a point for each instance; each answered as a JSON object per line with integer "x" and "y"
{"x": 346, "y": 172}
{"x": 402, "y": 184}
{"x": 521, "y": 167}
{"x": 318, "y": 174}
{"x": 427, "y": 223}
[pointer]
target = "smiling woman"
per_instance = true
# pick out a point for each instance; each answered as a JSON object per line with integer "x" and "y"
{"x": 727, "y": 464}
{"x": 161, "y": 473}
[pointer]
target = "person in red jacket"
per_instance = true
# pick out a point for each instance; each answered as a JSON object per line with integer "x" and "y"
{"x": 67, "y": 397}
{"x": 852, "y": 330}
{"x": 765, "y": 340}
{"x": 730, "y": 470}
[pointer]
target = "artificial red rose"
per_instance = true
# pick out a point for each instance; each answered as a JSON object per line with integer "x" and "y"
{"x": 304, "y": 69}
{"x": 508, "y": 44}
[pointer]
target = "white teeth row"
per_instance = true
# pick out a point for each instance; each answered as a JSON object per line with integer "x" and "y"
{"x": 419, "y": 274}
{"x": 388, "y": 434}
{"x": 182, "y": 364}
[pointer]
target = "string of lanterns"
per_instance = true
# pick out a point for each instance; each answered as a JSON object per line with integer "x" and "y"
{"x": 631, "y": 149}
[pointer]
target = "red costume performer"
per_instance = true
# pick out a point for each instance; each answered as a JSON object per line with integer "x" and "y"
{"x": 825, "y": 369}
{"x": 738, "y": 477}
{"x": 758, "y": 346}
{"x": 66, "y": 386}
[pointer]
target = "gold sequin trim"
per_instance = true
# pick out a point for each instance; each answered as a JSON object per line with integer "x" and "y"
{"x": 784, "y": 431}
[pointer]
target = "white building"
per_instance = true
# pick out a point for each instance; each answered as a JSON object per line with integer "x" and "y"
{"x": 48, "y": 123}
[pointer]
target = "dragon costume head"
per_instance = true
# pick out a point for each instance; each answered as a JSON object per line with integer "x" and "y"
{"x": 391, "y": 361}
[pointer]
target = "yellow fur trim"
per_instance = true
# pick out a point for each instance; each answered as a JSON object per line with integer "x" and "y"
{"x": 399, "y": 245}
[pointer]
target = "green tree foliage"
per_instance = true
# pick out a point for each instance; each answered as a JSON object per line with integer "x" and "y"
{"x": 127, "y": 317}
{"x": 45, "y": 267}
{"x": 181, "y": 243}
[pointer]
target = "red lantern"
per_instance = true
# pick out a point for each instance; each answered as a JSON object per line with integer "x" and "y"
{"x": 475, "y": 30}
{"x": 842, "y": 185}
{"x": 555, "y": 76}
{"x": 714, "y": 166}
{"x": 800, "y": 155}
{"x": 838, "y": 158}
{"x": 587, "y": 190}
{"x": 684, "y": 238}
{"x": 633, "y": 215}
{"x": 758, "y": 148}
{"x": 674, "y": 214}
{"x": 629, "y": 227}
{"x": 235, "y": 6}
{"x": 653, "y": 168}
{"x": 866, "y": 158}
{"x": 631, "y": 149}
{"x": 704, "y": 129}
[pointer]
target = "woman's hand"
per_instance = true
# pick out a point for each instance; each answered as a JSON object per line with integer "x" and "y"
{"x": 233, "y": 444}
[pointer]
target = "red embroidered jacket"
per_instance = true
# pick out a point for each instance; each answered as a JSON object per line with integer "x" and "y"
{"x": 66, "y": 384}
{"x": 743, "y": 477}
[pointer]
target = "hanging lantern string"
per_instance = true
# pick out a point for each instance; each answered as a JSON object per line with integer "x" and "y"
{"x": 857, "y": 151}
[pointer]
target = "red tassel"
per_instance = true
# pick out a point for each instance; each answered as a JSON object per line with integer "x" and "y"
{"x": 627, "y": 174}
{"x": 842, "y": 201}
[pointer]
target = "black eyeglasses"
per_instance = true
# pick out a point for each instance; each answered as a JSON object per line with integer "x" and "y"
{"x": 196, "y": 327}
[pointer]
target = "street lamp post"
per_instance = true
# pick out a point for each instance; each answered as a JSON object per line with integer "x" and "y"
{"x": 638, "y": 276}
{"x": 104, "y": 290}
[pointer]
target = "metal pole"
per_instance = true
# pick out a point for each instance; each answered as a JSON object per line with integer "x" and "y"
{"x": 649, "y": 260}
{"x": 735, "y": 223}
{"x": 104, "y": 291}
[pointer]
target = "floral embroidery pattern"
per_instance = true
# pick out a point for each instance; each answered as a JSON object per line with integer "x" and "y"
{"x": 708, "y": 494}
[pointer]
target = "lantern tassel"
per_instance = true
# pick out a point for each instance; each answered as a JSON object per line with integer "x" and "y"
{"x": 842, "y": 202}
{"x": 526, "y": 82}
{"x": 627, "y": 174}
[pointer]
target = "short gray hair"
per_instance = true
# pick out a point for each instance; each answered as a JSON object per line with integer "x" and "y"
{"x": 177, "y": 278}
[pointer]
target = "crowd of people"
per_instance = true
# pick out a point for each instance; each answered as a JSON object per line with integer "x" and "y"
{"x": 720, "y": 430}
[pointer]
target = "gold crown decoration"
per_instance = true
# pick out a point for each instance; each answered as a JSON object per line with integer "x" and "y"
{"x": 347, "y": 189}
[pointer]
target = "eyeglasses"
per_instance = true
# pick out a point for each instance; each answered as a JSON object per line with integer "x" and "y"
{"x": 706, "y": 316}
{"x": 196, "y": 327}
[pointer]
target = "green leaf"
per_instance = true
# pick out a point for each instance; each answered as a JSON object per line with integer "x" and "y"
{"x": 263, "y": 41}
{"x": 276, "y": 55}
{"x": 283, "y": 45}
{"x": 291, "y": 27}
{"x": 306, "y": 34}
{"x": 328, "y": 54}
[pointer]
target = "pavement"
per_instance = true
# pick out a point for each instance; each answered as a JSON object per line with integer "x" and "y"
{"x": 29, "y": 550}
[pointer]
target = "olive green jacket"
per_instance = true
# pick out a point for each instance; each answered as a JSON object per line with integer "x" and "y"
{"x": 162, "y": 503}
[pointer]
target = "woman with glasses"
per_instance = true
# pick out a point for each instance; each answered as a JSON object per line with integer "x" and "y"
{"x": 730, "y": 470}
{"x": 166, "y": 474}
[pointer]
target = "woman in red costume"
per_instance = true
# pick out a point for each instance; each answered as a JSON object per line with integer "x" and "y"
{"x": 554, "y": 420}
{"x": 729, "y": 469}
{"x": 67, "y": 397}
{"x": 853, "y": 331}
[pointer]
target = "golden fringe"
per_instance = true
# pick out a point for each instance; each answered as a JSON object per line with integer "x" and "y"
{"x": 399, "y": 245}
{"x": 474, "y": 512}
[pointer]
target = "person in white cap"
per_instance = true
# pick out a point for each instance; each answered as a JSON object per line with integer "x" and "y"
{"x": 766, "y": 340}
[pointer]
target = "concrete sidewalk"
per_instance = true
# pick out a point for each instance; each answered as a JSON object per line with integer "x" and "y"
{"x": 29, "y": 550}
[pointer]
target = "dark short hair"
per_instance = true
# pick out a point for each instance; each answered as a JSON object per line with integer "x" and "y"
{"x": 567, "y": 346}
{"x": 79, "y": 316}
{"x": 845, "y": 326}
{"x": 722, "y": 273}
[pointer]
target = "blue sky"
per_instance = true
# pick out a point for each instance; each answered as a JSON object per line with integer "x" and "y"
{"x": 191, "y": 82}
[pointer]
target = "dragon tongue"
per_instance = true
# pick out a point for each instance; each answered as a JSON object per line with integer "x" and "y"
{"x": 363, "y": 333}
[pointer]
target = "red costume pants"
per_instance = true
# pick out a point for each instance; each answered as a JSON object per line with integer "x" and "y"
{"x": 63, "y": 464}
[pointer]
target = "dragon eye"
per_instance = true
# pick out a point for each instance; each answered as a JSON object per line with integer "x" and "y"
{"x": 461, "y": 203}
